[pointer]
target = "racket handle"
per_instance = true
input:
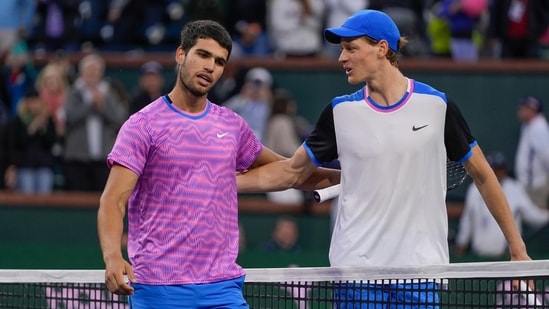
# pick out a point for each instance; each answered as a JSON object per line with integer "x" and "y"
{"x": 327, "y": 193}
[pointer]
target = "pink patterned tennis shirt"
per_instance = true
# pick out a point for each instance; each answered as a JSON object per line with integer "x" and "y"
{"x": 183, "y": 212}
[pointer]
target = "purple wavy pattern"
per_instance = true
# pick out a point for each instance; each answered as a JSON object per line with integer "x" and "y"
{"x": 183, "y": 213}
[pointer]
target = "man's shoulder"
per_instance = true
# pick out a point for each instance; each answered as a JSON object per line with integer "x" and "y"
{"x": 358, "y": 95}
{"x": 423, "y": 88}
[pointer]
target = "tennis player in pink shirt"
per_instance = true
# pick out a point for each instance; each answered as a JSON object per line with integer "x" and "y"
{"x": 174, "y": 167}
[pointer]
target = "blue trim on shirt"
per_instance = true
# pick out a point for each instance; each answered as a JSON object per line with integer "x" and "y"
{"x": 468, "y": 154}
{"x": 356, "y": 96}
{"x": 191, "y": 116}
{"x": 311, "y": 154}
{"x": 423, "y": 88}
{"x": 395, "y": 106}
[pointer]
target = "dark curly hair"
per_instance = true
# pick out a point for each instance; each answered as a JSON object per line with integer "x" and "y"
{"x": 205, "y": 29}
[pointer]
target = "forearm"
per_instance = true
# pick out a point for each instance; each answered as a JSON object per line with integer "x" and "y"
{"x": 321, "y": 178}
{"x": 270, "y": 173}
{"x": 110, "y": 227}
{"x": 500, "y": 210}
{"x": 494, "y": 198}
{"x": 271, "y": 177}
{"x": 278, "y": 176}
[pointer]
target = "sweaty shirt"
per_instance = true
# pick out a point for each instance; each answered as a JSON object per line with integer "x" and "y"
{"x": 183, "y": 212}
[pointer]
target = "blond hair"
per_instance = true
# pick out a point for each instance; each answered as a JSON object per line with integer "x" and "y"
{"x": 392, "y": 56}
{"x": 51, "y": 70}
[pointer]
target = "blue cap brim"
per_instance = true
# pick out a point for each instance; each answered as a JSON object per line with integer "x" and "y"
{"x": 334, "y": 35}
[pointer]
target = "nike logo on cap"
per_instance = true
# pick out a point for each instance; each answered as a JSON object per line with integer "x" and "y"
{"x": 221, "y": 135}
{"x": 414, "y": 128}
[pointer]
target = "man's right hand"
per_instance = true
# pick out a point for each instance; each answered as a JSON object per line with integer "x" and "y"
{"x": 116, "y": 273}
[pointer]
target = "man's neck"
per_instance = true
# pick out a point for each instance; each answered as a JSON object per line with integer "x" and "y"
{"x": 389, "y": 88}
{"x": 187, "y": 102}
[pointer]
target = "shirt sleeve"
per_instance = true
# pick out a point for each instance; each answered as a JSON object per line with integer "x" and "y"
{"x": 457, "y": 135}
{"x": 249, "y": 149}
{"x": 132, "y": 145}
{"x": 321, "y": 143}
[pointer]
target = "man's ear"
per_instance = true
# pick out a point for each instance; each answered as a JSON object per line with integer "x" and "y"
{"x": 383, "y": 49}
{"x": 179, "y": 55}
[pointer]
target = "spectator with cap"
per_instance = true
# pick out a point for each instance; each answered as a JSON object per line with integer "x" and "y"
{"x": 150, "y": 86}
{"x": 532, "y": 155}
{"x": 479, "y": 230}
{"x": 253, "y": 102}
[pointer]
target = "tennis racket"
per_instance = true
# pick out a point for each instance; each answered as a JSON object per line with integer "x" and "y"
{"x": 455, "y": 176}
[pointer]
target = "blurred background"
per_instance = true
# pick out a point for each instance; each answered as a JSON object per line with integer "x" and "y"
{"x": 485, "y": 55}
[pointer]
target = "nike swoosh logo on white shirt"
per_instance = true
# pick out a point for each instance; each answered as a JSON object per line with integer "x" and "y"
{"x": 221, "y": 135}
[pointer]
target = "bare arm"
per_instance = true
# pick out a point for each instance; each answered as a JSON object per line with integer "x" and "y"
{"x": 495, "y": 200}
{"x": 273, "y": 173}
{"x": 110, "y": 225}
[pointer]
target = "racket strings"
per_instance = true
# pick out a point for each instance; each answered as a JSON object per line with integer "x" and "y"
{"x": 455, "y": 173}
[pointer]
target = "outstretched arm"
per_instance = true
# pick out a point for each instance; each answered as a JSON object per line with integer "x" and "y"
{"x": 273, "y": 173}
{"x": 495, "y": 200}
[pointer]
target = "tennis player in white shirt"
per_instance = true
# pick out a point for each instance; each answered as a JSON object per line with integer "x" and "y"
{"x": 392, "y": 137}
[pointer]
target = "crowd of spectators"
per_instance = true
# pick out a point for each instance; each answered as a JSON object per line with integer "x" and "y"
{"x": 461, "y": 29}
{"x": 59, "y": 121}
{"x": 86, "y": 108}
{"x": 58, "y": 124}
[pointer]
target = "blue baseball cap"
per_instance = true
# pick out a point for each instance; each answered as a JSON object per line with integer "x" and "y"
{"x": 371, "y": 23}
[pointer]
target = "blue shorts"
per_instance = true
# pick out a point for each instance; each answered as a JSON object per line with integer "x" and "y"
{"x": 387, "y": 296}
{"x": 224, "y": 294}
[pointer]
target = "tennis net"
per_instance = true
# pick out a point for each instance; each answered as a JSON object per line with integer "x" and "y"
{"x": 460, "y": 285}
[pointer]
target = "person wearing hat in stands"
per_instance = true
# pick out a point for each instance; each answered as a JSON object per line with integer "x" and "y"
{"x": 392, "y": 138}
{"x": 532, "y": 155}
{"x": 477, "y": 228}
{"x": 151, "y": 86}
{"x": 254, "y": 100}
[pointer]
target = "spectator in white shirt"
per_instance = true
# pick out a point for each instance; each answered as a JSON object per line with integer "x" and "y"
{"x": 532, "y": 156}
{"x": 337, "y": 11}
{"x": 479, "y": 230}
{"x": 295, "y": 27}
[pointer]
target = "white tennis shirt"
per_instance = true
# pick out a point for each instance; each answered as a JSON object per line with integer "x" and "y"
{"x": 392, "y": 209}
